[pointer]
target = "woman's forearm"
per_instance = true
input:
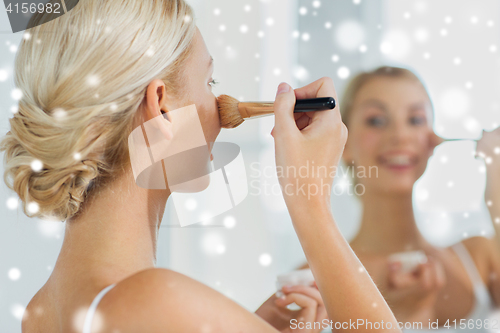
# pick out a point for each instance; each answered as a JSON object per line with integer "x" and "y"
{"x": 347, "y": 290}
{"x": 492, "y": 198}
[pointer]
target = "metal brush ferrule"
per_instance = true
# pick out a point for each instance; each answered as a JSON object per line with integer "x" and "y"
{"x": 255, "y": 109}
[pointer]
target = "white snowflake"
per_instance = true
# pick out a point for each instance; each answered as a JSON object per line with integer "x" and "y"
{"x": 16, "y": 94}
{"x": 93, "y": 80}
{"x": 343, "y": 72}
{"x": 265, "y": 259}
{"x": 3, "y": 75}
{"x": 229, "y": 222}
{"x": 33, "y": 207}
{"x": 14, "y": 273}
{"x": 36, "y": 165}
{"x": 12, "y": 203}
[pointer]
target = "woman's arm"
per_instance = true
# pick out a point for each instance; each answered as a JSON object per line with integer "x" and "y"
{"x": 313, "y": 142}
{"x": 488, "y": 148}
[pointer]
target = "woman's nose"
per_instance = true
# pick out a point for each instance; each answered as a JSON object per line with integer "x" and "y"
{"x": 399, "y": 133}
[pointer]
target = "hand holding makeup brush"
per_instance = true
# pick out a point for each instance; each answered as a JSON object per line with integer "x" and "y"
{"x": 309, "y": 141}
{"x": 315, "y": 141}
{"x": 232, "y": 112}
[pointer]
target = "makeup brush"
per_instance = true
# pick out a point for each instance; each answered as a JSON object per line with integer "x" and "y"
{"x": 233, "y": 112}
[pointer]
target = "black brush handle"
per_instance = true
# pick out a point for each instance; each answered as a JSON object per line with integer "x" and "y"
{"x": 314, "y": 104}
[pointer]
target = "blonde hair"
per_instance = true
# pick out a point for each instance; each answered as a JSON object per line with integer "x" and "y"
{"x": 358, "y": 81}
{"x": 83, "y": 77}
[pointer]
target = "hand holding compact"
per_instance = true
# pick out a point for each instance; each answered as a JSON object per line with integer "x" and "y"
{"x": 412, "y": 295}
{"x": 276, "y": 312}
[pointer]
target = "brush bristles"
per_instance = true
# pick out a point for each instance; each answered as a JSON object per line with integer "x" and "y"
{"x": 228, "y": 111}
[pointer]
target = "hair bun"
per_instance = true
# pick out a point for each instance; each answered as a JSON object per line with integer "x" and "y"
{"x": 57, "y": 193}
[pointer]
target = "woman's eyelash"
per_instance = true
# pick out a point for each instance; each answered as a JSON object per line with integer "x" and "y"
{"x": 213, "y": 82}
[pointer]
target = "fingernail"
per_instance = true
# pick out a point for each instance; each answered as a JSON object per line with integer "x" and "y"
{"x": 283, "y": 87}
{"x": 287, "y": 287}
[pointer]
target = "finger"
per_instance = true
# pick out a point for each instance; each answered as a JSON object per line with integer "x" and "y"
{"x": 395, "y": 266}
{"x": 401, "y": 280}
{"x": 305, "y": 290}
{"x": 436, "y": 271}
{"x": 323, "y": 87}
{"x": 283, "y": 107}
{"x": 302, "y": 122}
{"x": 426, "y": 276}
{"x": 320, "y": 88}
{"x": 308, "y": 305}
{"x": 441, "y": 275}
{"x": 321, "y": 313}
{"x": 305, "y": 302}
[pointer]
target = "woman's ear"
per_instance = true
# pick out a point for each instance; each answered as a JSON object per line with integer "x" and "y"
{"x": 156, "y": 99}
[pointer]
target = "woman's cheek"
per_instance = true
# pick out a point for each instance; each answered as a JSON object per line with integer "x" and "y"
{"x": 370, "y": 145}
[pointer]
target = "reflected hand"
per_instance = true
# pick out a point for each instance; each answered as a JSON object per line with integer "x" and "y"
{"x": 274, "y": 310}
{"x": 412, "y": 295}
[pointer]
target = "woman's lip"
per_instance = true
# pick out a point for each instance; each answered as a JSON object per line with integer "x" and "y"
{"x": 399, "y": 164}
{"x": 398, "y": 167}
{"x": 211, "y": 157}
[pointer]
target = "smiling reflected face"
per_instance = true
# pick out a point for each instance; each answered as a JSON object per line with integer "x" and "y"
{"x": 390, "y": 128}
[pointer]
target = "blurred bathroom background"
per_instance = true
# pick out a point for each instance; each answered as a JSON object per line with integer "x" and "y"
{"x": 256, "y": 44}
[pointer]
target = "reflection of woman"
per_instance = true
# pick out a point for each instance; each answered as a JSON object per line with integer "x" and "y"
{"x": 389, "y": 116}
{"x": 88, "y": 78}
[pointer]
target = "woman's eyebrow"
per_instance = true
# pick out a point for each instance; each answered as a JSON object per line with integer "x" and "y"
{"x": 418, "y": 106}
{"x": 375, "y": 103}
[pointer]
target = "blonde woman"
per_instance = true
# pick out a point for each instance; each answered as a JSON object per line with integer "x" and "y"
{"x": 389, "y": 116}
{"x": 88, "y": 79}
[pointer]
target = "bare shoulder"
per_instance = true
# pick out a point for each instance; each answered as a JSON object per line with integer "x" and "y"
{"x": 156, "y": 299}
{"x": 479, "y": 247}
{"x": 484, "y": 252}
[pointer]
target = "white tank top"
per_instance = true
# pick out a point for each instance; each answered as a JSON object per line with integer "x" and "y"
{"x": 483, "y": 305}
{"x": 87, "y": 324}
